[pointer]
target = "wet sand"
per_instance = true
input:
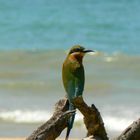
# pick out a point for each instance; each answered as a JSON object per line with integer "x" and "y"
{"x": 23, "y": 138}
{"x": 8, "y": 138}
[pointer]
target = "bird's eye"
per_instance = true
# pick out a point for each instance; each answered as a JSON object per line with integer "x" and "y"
{"x": 77, "y": 50}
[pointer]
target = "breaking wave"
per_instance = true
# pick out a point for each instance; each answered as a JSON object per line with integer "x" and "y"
{"x": 112, "y": 123}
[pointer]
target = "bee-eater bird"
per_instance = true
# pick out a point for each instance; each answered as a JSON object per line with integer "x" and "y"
{"x": 73, "y": 78}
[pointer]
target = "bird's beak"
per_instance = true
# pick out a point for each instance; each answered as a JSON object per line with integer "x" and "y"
{"x": 88, "y": 51}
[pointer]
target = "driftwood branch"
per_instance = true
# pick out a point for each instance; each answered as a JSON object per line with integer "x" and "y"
{"x": 92, "y": 120}
{"x": 132, "y": 132}
{"x": 53, "y": 127}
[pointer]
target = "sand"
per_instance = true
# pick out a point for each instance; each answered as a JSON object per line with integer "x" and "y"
{"x": 12, "y": 138}
{"x": 23, "y": 139}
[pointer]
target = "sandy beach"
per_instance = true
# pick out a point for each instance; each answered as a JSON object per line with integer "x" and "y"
{"x": 12, "y": 138}
{"x": 18, "y": 138}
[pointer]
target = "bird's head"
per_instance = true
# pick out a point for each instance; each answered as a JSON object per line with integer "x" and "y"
{"x": 77, "y": 52}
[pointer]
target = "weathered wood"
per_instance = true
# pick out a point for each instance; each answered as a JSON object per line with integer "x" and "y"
{"x": 53, "y": 127}
{"x": 132, "y": 132}
{"x": 92, "y": 119}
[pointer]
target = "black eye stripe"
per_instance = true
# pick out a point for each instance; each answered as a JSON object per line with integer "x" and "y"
{"x": 76, "y": 50}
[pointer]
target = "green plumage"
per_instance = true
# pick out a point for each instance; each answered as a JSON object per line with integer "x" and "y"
{"x": 73, "y": 78}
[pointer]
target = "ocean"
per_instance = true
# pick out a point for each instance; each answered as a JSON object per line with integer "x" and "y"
{"x": 35, "y": 37}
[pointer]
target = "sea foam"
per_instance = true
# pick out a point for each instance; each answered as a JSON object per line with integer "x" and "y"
{"x": 25, "y": 116}
{"x": 112, "y": 123}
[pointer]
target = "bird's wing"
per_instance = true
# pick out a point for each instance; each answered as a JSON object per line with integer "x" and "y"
{"x": 73, "y": 79}
{"x": 79, "y": 81}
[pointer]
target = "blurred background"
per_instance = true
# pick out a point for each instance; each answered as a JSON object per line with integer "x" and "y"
{"x": 35, "y": 36}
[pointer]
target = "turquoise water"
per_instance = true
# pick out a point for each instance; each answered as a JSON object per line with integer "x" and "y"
{"x": 39, "y": 24}
{"x": 34, "y": 38}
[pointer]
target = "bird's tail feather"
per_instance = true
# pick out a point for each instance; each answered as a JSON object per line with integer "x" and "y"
{"x": 70, "y": 122}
